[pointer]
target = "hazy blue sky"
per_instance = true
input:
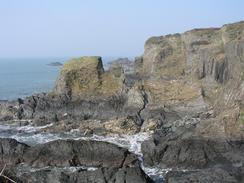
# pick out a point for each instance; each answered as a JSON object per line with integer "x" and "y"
{"x": 59, "y": 28}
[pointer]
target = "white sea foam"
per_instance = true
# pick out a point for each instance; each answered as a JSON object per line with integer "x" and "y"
{"x": 26, "y": 169}
{"x": 131, "y": 142}
{"x": 156, "y": 173}
{"x": 33, "y": 139}
{"x": 31, "y": 135}
{"x": 31, "y": 128}
{"x": 4, "y": 127}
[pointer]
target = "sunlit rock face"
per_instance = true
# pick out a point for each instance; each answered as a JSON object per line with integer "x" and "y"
{"x": 85, "y": 76}
{"x": 204, "y": 67}
{"x": 201, "y": 53}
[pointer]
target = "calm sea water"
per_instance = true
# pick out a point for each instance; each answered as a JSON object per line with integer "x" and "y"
{"x": 23, "y": 77}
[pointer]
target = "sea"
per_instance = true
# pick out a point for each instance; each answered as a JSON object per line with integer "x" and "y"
{"x": 21, "y": 77}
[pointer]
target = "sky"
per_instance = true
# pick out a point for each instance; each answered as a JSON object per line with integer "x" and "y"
{"x": 71, "y": 28}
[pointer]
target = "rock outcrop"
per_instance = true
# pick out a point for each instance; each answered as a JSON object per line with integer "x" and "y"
{"x": 92, "y": 162}
{"x": 65, "y": 153}
{"x": 85, "y": 76}
{"x": 125, "y": 63}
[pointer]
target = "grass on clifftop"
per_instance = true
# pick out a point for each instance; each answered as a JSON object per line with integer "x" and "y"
{"x": 234, "y": 31}
{"x": 82, "y": 62}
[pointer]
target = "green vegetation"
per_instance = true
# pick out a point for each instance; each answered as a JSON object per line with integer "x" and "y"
{"x": 82, "y": 62}
{"x": 234, "y": 31}
{"x": 85, "y": 76}
{"x": 241, "y": 116}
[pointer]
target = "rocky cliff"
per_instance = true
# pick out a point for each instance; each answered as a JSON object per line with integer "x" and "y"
{"x": 197, "y": 75}
{"x": 201, "y": 69}
{"x": 187, "y": 89}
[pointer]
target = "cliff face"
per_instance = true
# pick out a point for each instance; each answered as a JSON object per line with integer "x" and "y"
{"x": 199, "y": 53}
{"x": 201, "y": 66}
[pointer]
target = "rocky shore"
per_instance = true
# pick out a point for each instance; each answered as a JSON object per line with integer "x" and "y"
{"x": 186, "y": 92}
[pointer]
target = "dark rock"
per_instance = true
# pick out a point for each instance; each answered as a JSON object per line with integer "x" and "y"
{"x": 216, "y": 175}
{"x": 101, "y": 175}
{"x": 189, "y": 151}
{"x": 11, "y": 151}
{"x": 63, "y": 153}
{"x": 55, "y": 161}
{"x": 55, "y": 64}
{"x": 125, "y": 63}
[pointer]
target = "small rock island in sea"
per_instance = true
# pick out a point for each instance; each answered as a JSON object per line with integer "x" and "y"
{"x": 185, "y": 93}
{"x": 55, "y": 64}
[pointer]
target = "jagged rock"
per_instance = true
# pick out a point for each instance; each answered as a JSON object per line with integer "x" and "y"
{"x": 138, "y": 65}
{"x": 10, "y": 110}
{"x": 124, "y": 63}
